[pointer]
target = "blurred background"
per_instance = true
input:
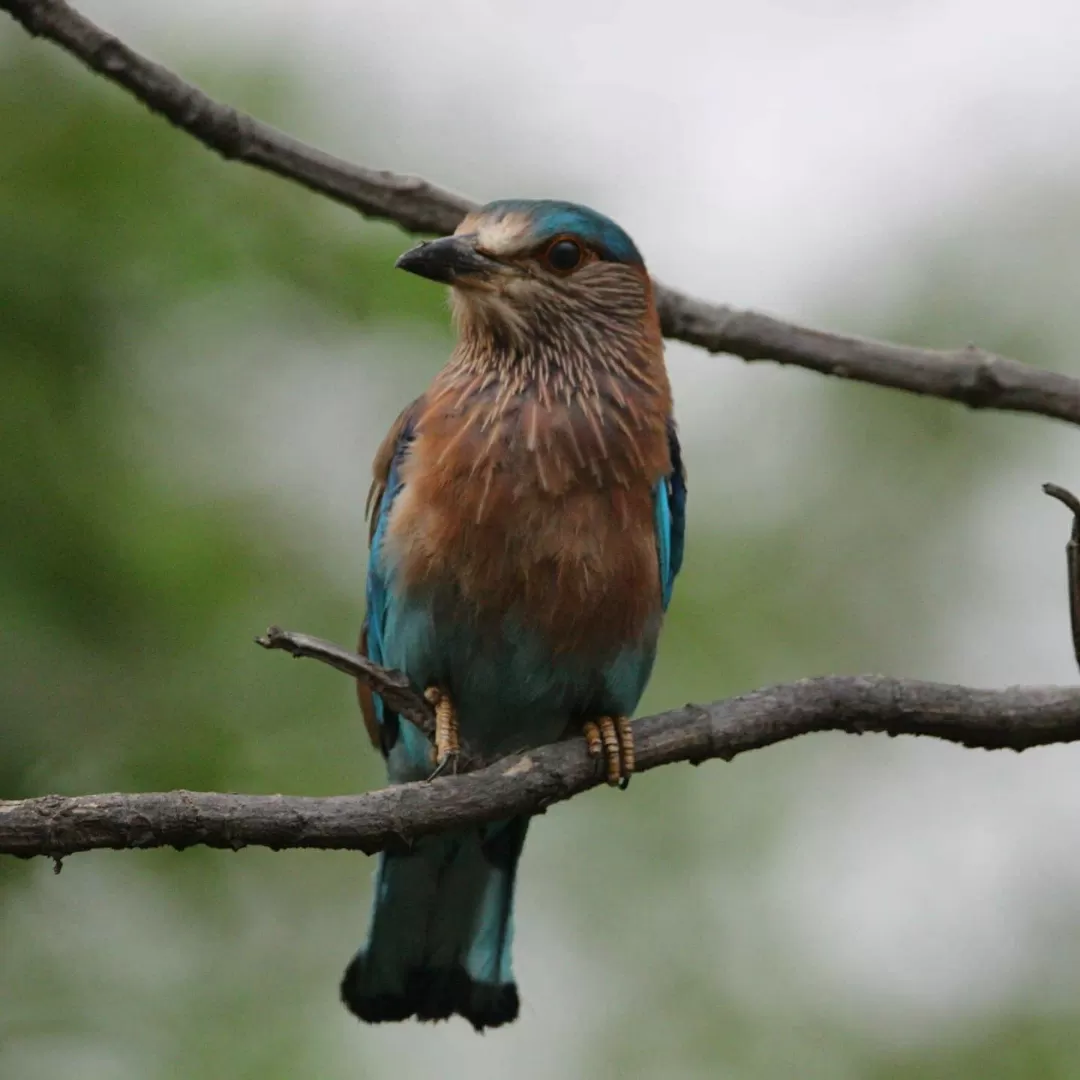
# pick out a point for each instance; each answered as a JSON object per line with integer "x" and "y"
{"x": 197, "y": 364}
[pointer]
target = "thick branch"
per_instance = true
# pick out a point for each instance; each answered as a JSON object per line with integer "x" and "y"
{"x": 1016, "y": 718}
{"x": 968, "y": 375}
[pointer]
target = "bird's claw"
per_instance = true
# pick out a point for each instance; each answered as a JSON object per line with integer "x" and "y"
{"x": 447, "y": 738}
{"x": 611, "y": 737}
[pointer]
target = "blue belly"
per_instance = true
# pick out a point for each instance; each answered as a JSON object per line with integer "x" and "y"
{"x": 512, "y": 691}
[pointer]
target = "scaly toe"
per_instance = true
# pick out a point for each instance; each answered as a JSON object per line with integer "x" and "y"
{"x": 612, "y": 755}
{"x": 611, "y": 738}
{"x": 592, "y": 738}
{"x": 447, "y": 746}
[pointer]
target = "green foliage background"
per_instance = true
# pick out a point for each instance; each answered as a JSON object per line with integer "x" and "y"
{"x": 196, "y": 364}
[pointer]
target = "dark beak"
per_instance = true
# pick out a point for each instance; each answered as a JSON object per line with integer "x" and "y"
{"x": 446, "y": 260}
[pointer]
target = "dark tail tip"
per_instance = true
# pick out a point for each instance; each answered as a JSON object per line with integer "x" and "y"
{"x": 430, "y": 995}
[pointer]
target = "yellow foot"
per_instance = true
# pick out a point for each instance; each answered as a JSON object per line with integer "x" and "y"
{"x": 447, "y": 739}
{"x": 610, "y": 737}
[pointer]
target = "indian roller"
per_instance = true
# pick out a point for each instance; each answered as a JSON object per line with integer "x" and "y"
{"x": 527, "y": 516}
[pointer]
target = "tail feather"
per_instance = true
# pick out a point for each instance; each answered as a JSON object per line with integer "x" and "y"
{"x": 441, "y": 931}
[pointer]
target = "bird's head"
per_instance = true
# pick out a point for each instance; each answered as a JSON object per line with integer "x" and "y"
{"x": 528, "y": 271}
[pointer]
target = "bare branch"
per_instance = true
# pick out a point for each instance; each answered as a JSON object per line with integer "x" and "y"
{"x": 413, "y": 203}
{"x": 978, "y": 379}
{"x": 975, "y": 378}
{"x": 392, "y": 686}
{"x": 1015, "y": 718}
{"x": 1072, "y": 561}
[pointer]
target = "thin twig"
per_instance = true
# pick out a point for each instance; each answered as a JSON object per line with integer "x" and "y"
{"x": 1072, "y": 560}
{"x": 392, "y": 686}
{"x": 1016, "y": 718}
{"x": 969, "y": 375}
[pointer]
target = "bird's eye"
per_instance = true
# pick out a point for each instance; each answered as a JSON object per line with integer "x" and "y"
{"x": 565, "y": 255}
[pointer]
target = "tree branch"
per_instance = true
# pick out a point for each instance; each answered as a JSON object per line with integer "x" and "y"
{"x": 392, "y": 686}
{"x": 969, "y": 375}
{"x": 413, "y": 203}
{"x": 1015, "y": 718}
{"x": 1072, "y": 561}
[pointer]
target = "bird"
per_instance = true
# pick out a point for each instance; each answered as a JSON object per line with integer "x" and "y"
{"x": 527, "y": 517}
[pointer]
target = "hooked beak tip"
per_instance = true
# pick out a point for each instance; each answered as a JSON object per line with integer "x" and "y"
{"x": 409, "y": 260}
{"x": 445, "y": 260}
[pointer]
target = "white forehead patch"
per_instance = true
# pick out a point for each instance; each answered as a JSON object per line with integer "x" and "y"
{"x": 504, "y": 236}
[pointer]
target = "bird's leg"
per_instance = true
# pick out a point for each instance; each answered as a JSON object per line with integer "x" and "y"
{"x": 447, "y": 737}
{"x": 611, "y": 737}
